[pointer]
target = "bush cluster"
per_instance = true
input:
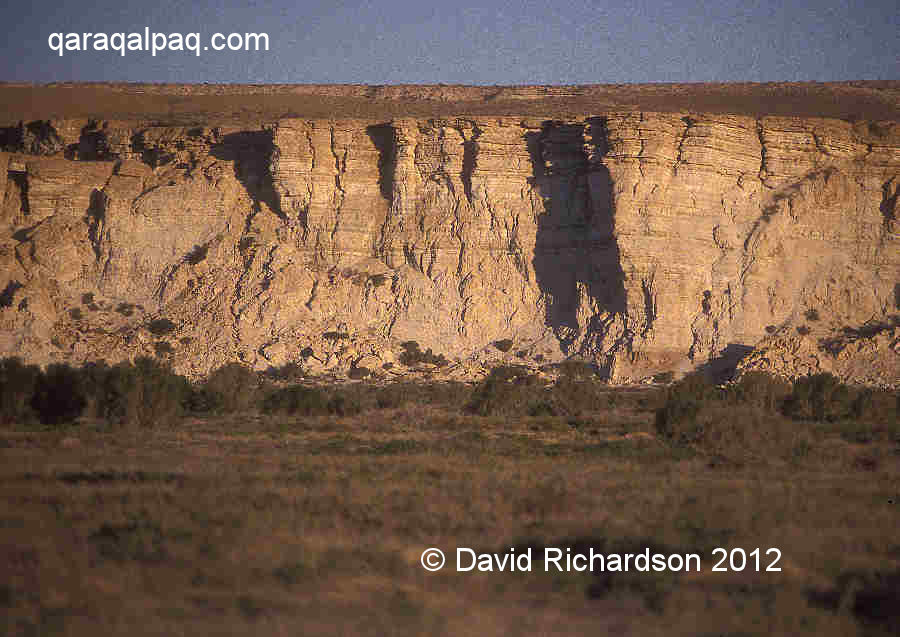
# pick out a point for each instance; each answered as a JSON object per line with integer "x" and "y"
{"x": 513, "y": 390}
{"x": 758, "y": 411}
{"x": 413, "y": 355}
{"x": 144, "y": 392}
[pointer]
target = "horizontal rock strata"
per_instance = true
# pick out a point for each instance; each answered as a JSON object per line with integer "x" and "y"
{"x": 642, "y": 241}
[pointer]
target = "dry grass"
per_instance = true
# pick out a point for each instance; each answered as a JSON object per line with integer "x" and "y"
{"x": 282, "y": 526}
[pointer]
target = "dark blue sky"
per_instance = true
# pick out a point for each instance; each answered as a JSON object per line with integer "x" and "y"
{"x": 495, "y": 42}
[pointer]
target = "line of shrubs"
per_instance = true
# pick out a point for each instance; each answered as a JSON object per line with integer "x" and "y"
{"x": 764, "y": 414}
{"x": 147, "y": 392}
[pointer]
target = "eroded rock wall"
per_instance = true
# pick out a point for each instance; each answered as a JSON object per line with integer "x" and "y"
{"x": 643, "y": 241}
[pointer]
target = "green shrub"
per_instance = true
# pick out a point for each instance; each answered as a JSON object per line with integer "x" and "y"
{"x": 76, "y": 314}
{"x": 504, "y": 345}
{"x": 356, "y": 373}
{"x": 58, "y": 395}
{"x": 812, "y": 315}
{"x": 335, "y": 336}
{"x": 17, "y": 383}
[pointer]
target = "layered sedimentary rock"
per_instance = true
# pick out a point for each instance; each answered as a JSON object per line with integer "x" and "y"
{"x": 643, "y": 241}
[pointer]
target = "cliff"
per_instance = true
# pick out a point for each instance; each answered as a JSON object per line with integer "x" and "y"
{"x": 644, "y": 241}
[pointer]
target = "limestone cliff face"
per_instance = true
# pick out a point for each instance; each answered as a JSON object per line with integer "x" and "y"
{"x": 643, "y": 241}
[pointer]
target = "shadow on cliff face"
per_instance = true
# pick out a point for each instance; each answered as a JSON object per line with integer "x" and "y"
{"x": 723, "y": 367}
{"x": 575, "y": 244}
{"x": 251, "y": 152}
{"x": 382, "y": 136}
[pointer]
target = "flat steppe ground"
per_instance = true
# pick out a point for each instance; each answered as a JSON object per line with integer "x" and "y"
{"x": 277, "y": 525}
{"x": 244, "y": 104}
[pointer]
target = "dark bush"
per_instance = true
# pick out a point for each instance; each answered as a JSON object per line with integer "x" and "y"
{"x": 576, "y": 369}
{"x": 161, "y": 326}
{"x": 448, "y": 394}
{"x": 306, "y": 352}
{"x": 802, "y": 330}
{"x": 125, "y": 309}
{"x": 875, "y": 406}
{"x": 663, "y": 378}
{"x": 87, "y": 298}
{"x": 504, "y": 345}
{"x": 298, "y": 400}
{"x": 76, "y": 314}
{"x": 413, "y": 355}
{"x": 197, "y": 255}
{"x": 578, "y": 396}
{"x": 162, "y": 348}
{"x": 231, "y": 388}
{"x": 819, "y": 397}
{"x": 357, "y": 373}
{"x": 684, "y": 400}
{"x": 761, "y": 390}
{"x": 508, "y": 390}
{"x": 378, "y": 280}
{"x": 287, "y": 372}
{"x": 17, "y": 383}
{"x": 93, "y": 379}
{"x": 58, "y": 395}
{"x": 812, "y": 315}
{"x": 335, "y": 336}
{"x": 143, "y": 393}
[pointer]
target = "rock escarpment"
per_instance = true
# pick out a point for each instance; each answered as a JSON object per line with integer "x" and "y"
{"x": 642, "y": 241}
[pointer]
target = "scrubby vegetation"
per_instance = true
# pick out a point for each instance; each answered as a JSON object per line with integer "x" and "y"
{"x": 244, "y": 492}
{"x": 761, "y": 414}
{"x": 413, "y": 355}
